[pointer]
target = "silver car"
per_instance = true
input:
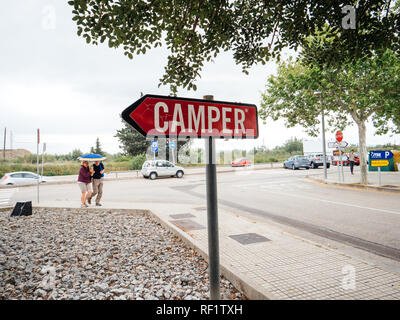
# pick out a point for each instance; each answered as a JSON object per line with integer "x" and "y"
{"x": 22, "y": 177}
{"x": 317, "y": 160}
{"x": 161, "y": 168}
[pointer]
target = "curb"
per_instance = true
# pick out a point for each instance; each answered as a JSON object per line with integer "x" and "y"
{"x": 356, "y": 186}
{"x": 249, "y": 289}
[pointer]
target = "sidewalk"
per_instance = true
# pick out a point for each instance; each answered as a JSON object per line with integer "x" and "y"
{"x": 390, "y": 181}
{"x": 264, "y": 262}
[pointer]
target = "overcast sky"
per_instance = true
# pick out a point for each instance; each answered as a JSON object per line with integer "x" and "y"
{"x": 74, "y": 92}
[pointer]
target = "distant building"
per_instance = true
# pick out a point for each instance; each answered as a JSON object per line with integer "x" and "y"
{"x": 10, "y": 154}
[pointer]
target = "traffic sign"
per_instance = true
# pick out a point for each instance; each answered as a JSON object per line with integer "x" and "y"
{"x": 339, "y": 136}
{"x": 172, "y": 145}
{"x": 378, "y": 155}
{"x": 165, "y": 116}
{"x": 333, "y": 144}
{"x": 379, "y": 163}
{"x": 343, "y": 144}
{"x": 154, "y": 146}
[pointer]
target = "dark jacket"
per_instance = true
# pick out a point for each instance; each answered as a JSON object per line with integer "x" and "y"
{"x": 97, "y": 169}
{"x": 84, "y": 175}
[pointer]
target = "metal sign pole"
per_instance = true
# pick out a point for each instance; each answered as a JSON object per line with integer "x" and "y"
{"x": 341, "y": 161}
{"x": 212, "y": 216}
{"x": 379, "y": 176}
{"x": 173, "y": 155}
{"x": 37, "y": 163}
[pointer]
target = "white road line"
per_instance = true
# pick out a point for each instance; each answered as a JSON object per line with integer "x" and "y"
{"x": 341, "y": 203}
{"x": 6, "y": 195}
{"x": 270, "y": 189}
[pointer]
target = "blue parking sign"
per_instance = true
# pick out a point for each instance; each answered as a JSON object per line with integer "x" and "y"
{"x": 154, "y": 146}
{"x": 380, "y": 155}
{"x": 172, "y": 145}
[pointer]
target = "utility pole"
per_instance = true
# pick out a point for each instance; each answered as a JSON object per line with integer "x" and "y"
{"x": 11, "y": 144}
{"x": 319, "y": 93}
{"x": 4, "y": 146}
{"x": 324, "y": 146}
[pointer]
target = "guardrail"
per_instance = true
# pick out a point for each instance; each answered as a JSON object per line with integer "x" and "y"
{"x": 119, "y": 172}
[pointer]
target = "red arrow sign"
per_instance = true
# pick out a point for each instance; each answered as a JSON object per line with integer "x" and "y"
{"x": 167, "y": 116}
{"x": 339, "y": 136}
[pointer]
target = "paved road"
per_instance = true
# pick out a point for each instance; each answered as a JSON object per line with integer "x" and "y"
{"x": 366, "y": 220}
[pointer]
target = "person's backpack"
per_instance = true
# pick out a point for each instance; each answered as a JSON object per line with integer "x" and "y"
{"x": 22, "y": 209}
{"x": 102, "y": 168}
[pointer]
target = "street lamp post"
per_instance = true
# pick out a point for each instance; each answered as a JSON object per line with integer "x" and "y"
{"x": 323, "y": 136}
{"x": 324, "y": 145}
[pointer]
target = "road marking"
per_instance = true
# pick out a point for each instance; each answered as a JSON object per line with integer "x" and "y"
{"x": 6, "y": 195}
{"x": 341, "y": 203}
{"x": 352, "y": 187}
{"x": 293, "y": 186}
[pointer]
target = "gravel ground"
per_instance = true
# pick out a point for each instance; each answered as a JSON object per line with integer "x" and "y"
{"x": 102, "y": 254}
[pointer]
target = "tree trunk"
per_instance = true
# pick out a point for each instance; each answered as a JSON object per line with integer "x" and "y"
{"x": 363, "y": 152}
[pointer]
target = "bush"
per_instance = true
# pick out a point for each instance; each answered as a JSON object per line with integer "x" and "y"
{"x": 123, "y": 158}
{"x": 137, "y": 162}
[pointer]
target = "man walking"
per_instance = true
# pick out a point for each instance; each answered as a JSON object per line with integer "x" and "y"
{"x": 98, "y": 177}
{"x": 351, "y": 161}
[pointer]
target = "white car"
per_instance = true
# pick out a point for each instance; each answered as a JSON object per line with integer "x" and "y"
{"x": 317, "y": 160}
{"x": 22, "y": 177}
{"x": 161, "y": 168}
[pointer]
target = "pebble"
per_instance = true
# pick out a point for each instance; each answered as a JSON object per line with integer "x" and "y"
{"x": 102, "y": 254}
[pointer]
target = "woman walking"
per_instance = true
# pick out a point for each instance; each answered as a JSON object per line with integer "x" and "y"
{"x": 351, "y": 161}
{"x": 84, "y": 182}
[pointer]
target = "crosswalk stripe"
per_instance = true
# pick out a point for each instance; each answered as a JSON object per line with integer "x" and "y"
{"x": 6, "y": 195}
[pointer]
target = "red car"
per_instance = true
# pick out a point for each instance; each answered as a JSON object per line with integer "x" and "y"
{"x": 356, "y": 160}
{"x": 346, "y": 162}
{"x": 242, "y": 162}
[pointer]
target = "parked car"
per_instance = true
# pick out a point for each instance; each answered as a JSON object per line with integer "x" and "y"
{"x": 345, "y": 158}
{"x": 241, "y": 162}
{"x": 22, "y": 177}
{"x": 336, "y": 160}
{"x": 356, "y": 159}
{"x": 317, "y": 160}
{"x": 161, "y": 168}
{"x": 297, "y": 162}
